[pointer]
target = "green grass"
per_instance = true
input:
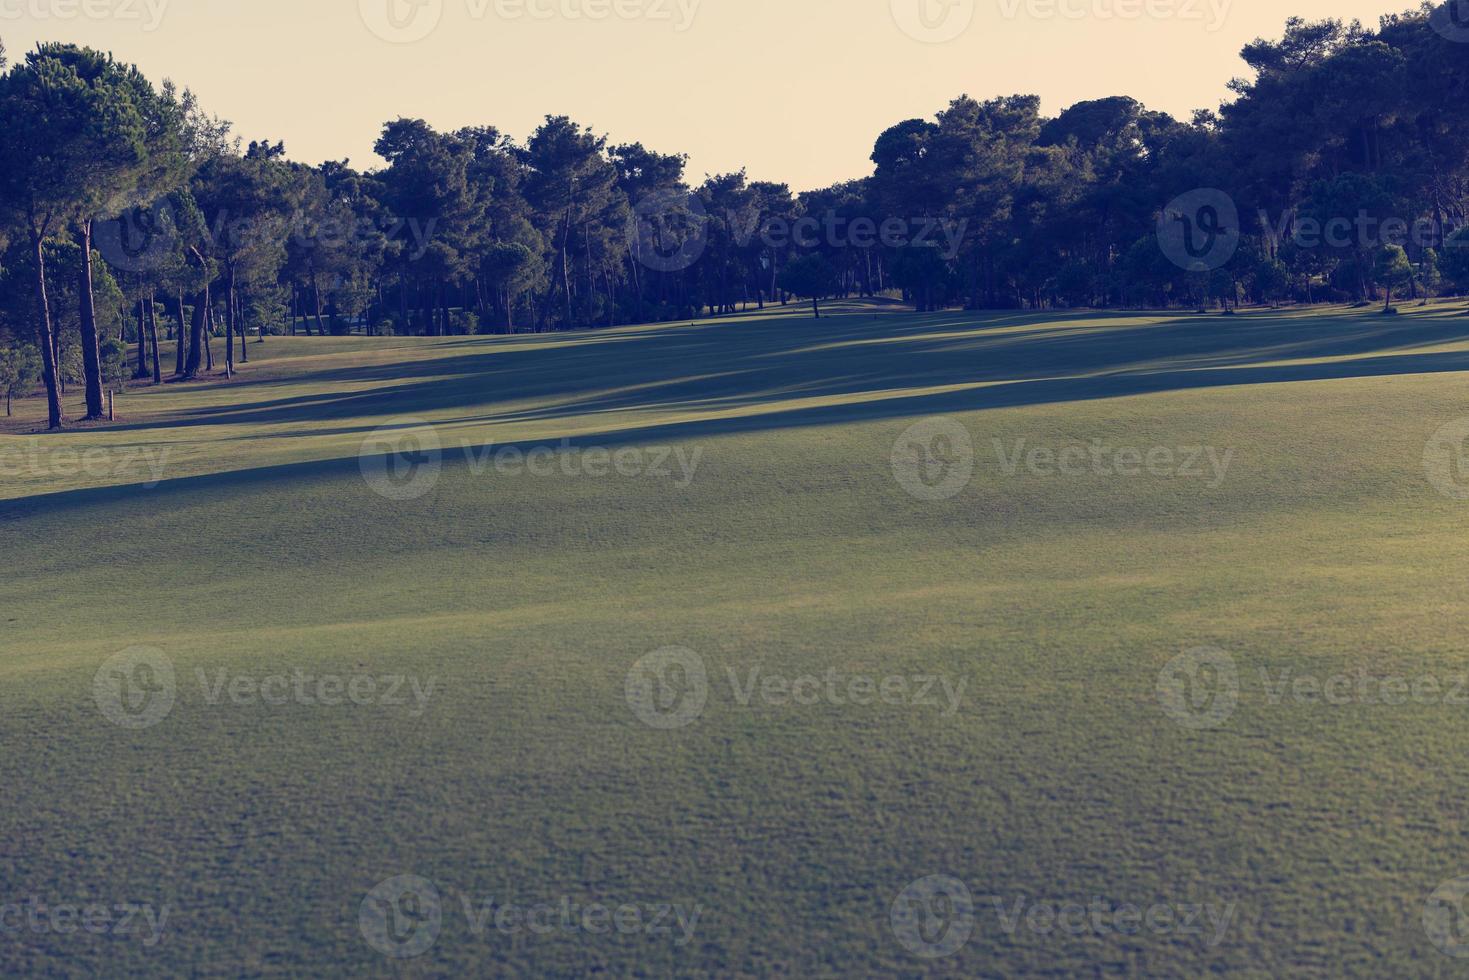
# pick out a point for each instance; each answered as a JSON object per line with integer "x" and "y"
{"x": 1056, "y": 600}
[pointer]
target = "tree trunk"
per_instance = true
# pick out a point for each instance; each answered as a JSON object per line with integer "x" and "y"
{"x": 91, "y": 356}
{"x": 153, "y": 336}
{"x": 240, "y": 325}
{"x": 48, "y": 337}
{"x": 196, "y": 333}
{"x": 316, "y": 300}
{"x": 565, "y": 263}
{"x": 183, "y": 344}
{"x": 142, "y": 369}
{"x": 209, "y": 330}
{"x": 229, "y": 322}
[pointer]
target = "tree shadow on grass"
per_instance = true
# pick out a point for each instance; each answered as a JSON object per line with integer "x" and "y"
{"x": 741, "y": 365}
{"x": 757, "y": 367}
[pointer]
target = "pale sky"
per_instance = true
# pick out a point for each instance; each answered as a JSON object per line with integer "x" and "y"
{"x": 791, "y": 90}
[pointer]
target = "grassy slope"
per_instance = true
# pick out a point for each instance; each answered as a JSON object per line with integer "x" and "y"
{"x": 1057, "y": 598}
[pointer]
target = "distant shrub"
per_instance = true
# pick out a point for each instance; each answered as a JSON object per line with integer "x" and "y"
{"x": 114, "y": 354}
{"x": 463, "y": 323}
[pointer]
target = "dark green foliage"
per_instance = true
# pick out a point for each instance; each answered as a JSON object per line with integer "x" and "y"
{"x": 20, "y": 370}
{"x": 810, "y": 277}
{"x": 1340, "y": 142}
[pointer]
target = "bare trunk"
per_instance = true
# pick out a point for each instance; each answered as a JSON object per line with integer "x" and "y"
{"x": 240, "y": 325}
{"x": 316, "y": 299}
{"x": 48, "y": 337}
{"x": 91, "y": 356}
{"x": 196, "y": 333}
{"x": 153, "y": 337}
{"x": 183, "y": 344}
{"x": 565, "y": 266}
{"x": 209, "y": 328}
{"x": 229, "y": 322}
{"x": 142, "y": 370}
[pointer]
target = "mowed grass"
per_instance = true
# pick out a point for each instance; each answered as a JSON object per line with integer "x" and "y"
{"x": 1054, "y": 599}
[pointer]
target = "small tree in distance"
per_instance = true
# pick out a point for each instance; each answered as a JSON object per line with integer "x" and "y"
{"x": 1429, "y": 275}
{"x": 1393, "y": 269}
{"x": 20, "y": 370}
{"x": 810, "y": 277}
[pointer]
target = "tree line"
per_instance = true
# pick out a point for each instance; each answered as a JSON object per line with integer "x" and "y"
{"x": 1337, "y": 171}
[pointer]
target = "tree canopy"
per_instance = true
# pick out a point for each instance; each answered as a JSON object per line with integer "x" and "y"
{"x": 1341, "y": 143}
